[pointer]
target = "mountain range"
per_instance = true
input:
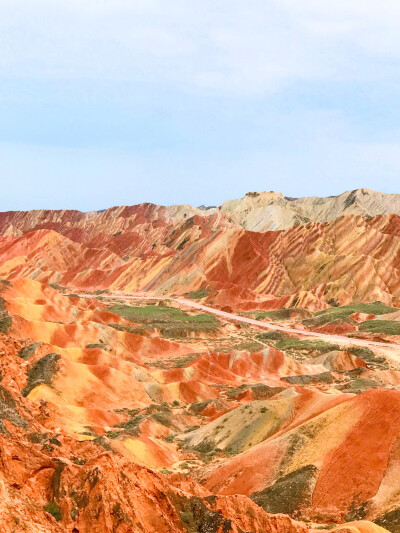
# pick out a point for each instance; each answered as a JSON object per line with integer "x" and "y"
{"x": 202, "y": 369}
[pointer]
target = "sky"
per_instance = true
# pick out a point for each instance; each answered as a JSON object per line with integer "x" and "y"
{"x": 118, "y": 102}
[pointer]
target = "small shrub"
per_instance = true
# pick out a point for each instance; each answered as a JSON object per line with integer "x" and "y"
{"x": 162, "y": 418}
{"x": 191, "y": 428}
{"x": 114, "y": 434}
{"x": 199, "y": 294}
{"x": 27, "y": 351}
{"x": 53, "y": 509}
{"x": 271, "y": 335}
{"x": 5, "y": 322}
{"x": 102, "y": 441}
{"x": 132, "y": 425}
{"x": 95, "y": 345}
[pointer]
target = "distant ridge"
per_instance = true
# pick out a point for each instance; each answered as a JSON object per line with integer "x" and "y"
{"x": 271, "y": 211}
{"x": 256, "y": 211}
{"x": 265, "y": 211}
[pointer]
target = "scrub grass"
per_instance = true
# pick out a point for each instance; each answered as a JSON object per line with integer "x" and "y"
{"x": 170, "y": 321}
{"x": 335, "y": 314}
{"x": 381, "y": 326}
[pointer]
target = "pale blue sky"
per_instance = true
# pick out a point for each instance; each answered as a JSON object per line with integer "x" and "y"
{"x": 113, "y": 102}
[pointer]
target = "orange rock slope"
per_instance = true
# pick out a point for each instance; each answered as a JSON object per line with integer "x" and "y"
{"x": 54, "y": 476}
{"x": 103, "y": 438}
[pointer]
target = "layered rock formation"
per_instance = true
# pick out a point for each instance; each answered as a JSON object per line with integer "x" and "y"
{"x": 142, "y": 416}
{"x": 170, "y": 250}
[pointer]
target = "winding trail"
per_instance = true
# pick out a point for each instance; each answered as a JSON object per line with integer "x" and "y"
{"x": 258, "y": 323}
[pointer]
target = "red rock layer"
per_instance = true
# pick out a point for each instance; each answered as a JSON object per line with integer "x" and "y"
{"x": 150, "y": 247}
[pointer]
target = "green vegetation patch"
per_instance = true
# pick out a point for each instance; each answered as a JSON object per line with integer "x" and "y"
{"x": 309, "y": 345}
{"x": 8, "y": 411}
{"x": 5, "y": 318}
{"x": 250, "y": 346}
{"x": 324, "y": 377}
{"x": 198, "y": 408}
{"x": 365, "y": 353}
{"x": 54, "y": 510}
{"x": 199, "y": 294}
{"x": 128, "y": 329}
{"x": 390, "y": 520}
{"x": 131, "y": 426}
{"x": 171, "y": 322}
{"x": 380, "y": 326}
{"x": 58, "y": 287}
{"x": 260, "y": 391}
{"x": 335, "y": 314}
{"x": 271, "y": 336}
{"x": 283, "y": 313}
{"x": 27, "y": 351}
{"x": 181, "y": 362}
{"x": 289, "y": 492}
{"x": 41, "y": 372}
{"x": 359, "y": 385}
{"x": 102, "y": 441}
{"x": 96, "y": 345}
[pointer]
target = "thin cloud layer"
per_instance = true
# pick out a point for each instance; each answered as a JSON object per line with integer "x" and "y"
{"x": 240, "y": 47}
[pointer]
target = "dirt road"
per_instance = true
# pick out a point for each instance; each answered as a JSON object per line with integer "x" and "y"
{"x": 258, "y": 323}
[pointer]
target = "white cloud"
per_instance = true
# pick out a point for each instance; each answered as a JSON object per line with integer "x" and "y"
{"x": 245, "y": 47}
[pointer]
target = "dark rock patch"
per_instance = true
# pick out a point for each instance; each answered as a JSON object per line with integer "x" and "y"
{"x": 41, "y": 372}
{"x": 390, "y": 521}
{"x": 289, "y": 492}
{"x": 324, "y": 377}
{"x": 8, "y": 411}
{"x": 27, "y": 351}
